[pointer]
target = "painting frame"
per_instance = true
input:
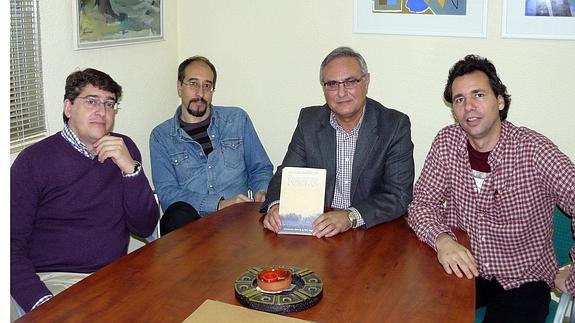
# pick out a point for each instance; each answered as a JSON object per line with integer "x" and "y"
{"x": 515, "y": 24}
{"x": 473, "y": 24}
{"x": 142, "y": 36}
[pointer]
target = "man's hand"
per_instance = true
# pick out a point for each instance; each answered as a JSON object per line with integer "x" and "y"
{"x": 562, "y": 277}
{"x": 114, "y": 148}
{"x": 455, "y": 258}
{"x": 272, "y": 219}
{"x": 260, "y": 196}
{"x": 240, "y": 198}
{"x": 331, "y": 223}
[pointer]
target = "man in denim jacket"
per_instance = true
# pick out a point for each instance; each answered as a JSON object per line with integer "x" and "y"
{"x": 206, "y": 157}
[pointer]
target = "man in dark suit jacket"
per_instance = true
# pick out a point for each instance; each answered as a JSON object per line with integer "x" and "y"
{"x": 365, "y": 147}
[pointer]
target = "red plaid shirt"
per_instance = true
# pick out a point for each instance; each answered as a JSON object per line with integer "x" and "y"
{"x": 510, "y": 221}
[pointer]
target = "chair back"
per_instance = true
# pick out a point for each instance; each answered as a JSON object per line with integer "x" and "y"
{"x": 562, "y": 236}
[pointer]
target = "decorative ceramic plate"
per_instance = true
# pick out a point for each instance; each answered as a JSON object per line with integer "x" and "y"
{"x": 307, "y": 292}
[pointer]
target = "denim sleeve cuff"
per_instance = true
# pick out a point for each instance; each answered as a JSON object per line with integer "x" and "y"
{"x": 260, "y": 187}
{"x": 42, "y": 300}
{"x": 209, "y": 204}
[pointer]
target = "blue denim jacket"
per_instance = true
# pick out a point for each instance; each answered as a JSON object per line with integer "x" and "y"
{"x": 182, "y": 172}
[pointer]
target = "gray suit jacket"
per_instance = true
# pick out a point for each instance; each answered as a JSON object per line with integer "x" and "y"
{"x": 383, "y": 168}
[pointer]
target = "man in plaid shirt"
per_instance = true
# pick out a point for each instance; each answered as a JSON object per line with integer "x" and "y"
{"x": 499, "y": 183}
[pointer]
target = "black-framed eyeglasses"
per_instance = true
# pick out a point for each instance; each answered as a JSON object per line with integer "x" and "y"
{"x": 92, "y": 102}
{"x": 347, "y": 84}
{"x": 196, "y": 85}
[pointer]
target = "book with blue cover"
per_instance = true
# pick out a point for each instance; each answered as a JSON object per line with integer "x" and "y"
{"x": 301, "y": 199}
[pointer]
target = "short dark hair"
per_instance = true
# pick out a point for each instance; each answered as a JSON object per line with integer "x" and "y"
{"x": 76, "y": 82}
{"x": 470, "y": 64}
{"x": 188, "y": 61}
{"x": 343, "y": 51}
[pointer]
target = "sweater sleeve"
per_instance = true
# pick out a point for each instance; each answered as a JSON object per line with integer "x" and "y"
{"x": 25, "y": 286}
{"x": 141, "y": 211}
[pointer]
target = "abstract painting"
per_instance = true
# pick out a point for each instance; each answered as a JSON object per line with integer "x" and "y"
{"x": 460, "y": 18}
{"x": 117, "y": 22}
{"x": 429, "y": 7}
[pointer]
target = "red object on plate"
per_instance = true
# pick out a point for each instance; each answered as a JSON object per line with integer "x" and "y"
{"x": 274, "y": 279}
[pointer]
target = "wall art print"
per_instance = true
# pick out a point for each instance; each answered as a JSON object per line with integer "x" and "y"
{"x": 538, "y": 19}
{"x": 460, "y": 18}
{"x": 101, "y": 23}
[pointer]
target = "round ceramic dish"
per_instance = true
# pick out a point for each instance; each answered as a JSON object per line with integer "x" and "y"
{"x": 274, "y": 279}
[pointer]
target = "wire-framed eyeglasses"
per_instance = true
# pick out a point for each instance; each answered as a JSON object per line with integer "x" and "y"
{"x": 197, "y": 85}
{"x": 350, "y": 83}
{"x": 93, "y": 102}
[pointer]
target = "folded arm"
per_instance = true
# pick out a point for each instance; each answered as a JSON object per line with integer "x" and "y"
{"x": 140, "y": 208}
{"x": 425, "y": 212}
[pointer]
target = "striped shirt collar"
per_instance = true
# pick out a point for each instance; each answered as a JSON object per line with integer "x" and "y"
{"x": 71, "y": 137}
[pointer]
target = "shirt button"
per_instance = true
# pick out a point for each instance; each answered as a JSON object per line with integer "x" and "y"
{"x": 486, "y": 265}
{"x": 210, "y": 167}
{"x": 211, "y": 186}
{"x": 213, "y": 136}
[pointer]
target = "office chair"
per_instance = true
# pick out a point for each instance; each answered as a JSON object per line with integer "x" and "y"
{"x": 156, "y": 233}
{"x": 16, "y": 310}
{"x": 562, "y": 243}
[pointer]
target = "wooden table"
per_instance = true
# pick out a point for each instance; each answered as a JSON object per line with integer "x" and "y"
{"x": 383, "y": 274}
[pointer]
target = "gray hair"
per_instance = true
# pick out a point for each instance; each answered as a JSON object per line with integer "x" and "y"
{"x": 343, "y": 52}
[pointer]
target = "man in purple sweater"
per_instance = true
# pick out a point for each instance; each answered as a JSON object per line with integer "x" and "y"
{"x": 76, "y": 195}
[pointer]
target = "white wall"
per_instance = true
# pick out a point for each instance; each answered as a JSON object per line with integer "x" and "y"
{"x": 268, "y": 54}
{"x": 145, "y": 71}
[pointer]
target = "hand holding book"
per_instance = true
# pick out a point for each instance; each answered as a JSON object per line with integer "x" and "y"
{"x": 301, "y": 200}
{"x": 331, "y": 223}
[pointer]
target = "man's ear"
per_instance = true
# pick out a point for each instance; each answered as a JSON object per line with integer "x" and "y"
{"x": 179, "y": 88}
{"x": 500, "y": 102}
{"x": 366, "y": 80}
{"x": 67, "y": 108}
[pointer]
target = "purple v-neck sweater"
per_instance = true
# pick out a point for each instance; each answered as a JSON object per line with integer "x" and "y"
{"x": 70, "y": 213}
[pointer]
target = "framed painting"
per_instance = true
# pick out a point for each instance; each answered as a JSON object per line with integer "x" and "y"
{"x": 102, "y": 23}
{"x": 543, "y": 19}
{"x": 462, "y": 18}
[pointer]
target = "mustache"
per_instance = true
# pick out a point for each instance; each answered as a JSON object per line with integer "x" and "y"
{"x": 195, "y": 100}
